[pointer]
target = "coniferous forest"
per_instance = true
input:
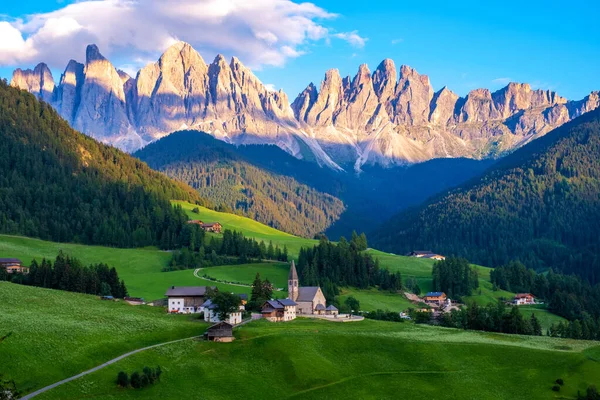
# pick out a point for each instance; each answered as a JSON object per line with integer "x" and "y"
{"x": 539, "y": 205}
{"x": 57, "y": 184}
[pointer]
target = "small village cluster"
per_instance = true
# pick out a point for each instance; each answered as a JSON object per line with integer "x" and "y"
{"x": 306, "y": 301}
{"x": 213, "y": 227}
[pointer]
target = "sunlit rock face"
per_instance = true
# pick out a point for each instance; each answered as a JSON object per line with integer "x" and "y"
{"x": 385, "y": 117}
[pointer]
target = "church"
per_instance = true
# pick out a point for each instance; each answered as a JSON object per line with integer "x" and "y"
{"x": 310, "y": 299}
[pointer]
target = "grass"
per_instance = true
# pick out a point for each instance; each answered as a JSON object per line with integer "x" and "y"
{"x": 277, "y": 273}
{"x": 311, "y": 359}
{"x": 373, "y": 299}
{"x": 58, "y": 334}
{"x": 545, "y": 317}
{"x": 249, "y": 228}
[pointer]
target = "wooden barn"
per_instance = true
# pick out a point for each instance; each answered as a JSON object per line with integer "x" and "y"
{"x": 214, "y": 227}
{"x": 221, "y": 332}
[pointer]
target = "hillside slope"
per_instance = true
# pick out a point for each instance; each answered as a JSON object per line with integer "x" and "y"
{"x": 230, "y": 179}
{"x": 540, "y": 205}
{"x": 61, "y": 185}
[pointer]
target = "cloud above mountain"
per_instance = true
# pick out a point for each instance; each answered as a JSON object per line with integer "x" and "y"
{"x": 260, "y": 32}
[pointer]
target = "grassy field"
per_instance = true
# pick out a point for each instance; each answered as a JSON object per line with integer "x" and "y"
{"x": 249, "y": 228}
{"x": 373, "y": 299}
{"x": 58, "y": 334}
{"x": 311, "y": 359}
{"x": 277, "y": 273}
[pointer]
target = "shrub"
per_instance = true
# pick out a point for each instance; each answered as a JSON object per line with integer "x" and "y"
{"x": 123, "y": 379}
{"x": 556, "y": 388}
{"x": 196, "y": 210}
{"x": 136, "y": 380}
{"x": 560, "y": 381}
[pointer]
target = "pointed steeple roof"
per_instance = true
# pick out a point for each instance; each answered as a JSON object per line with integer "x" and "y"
{"x": 293, "y": 274}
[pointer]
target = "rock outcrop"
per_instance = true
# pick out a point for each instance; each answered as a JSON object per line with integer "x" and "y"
{"x": 387, "y": 117}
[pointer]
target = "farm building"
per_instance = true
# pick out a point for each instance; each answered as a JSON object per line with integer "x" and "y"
{"x": 195, "y": 222}
{"x": 279, "y": 310}
{"x": 426, "y": 254}
{"x": 220, "y": 332}
{"x": 332, "y": 310}
{"x": 307, "y": 298}
{"x": 214, "y": 227}
{"x": 523, "y": 298}
{"x": 186, "y": 299}
{"x": 435, "y": 298}
{"x": 211, "y": 313}
{"x": 13, "y": 266}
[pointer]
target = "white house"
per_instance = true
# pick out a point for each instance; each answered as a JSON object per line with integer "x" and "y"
{"x": 523, "y": 298}
{"x": 186, "y": 299}
{"x": 211, "y": 313}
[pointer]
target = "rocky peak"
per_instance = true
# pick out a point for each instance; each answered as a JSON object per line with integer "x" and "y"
{"x": 413, "y": 97}
{"x": 38, "y": 81}
{"x": 384, "y": 80}
{"x": 443, "y": 105}
{"x": 329, "y": 100}
{"x": 69, "y": 90}
{"x": 92, "y": 53}
{"x": 304, "y": 102}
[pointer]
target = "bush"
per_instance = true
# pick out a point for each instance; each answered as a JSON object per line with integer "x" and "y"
{"x": 123, "y": 379}
{"x": 560, "y": 381}
{"x": 556, "y": 388}
{"x": 136, "y": 380}
{"x": 196, "y": 210}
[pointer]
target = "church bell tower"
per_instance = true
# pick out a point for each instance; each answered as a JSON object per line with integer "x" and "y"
{"x": 293, "y": 283}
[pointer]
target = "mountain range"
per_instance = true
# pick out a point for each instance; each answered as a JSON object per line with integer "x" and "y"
{"x": 381, "y": 118}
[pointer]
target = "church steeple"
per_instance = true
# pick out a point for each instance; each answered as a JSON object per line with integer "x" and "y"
{"x": 293, "y": 283}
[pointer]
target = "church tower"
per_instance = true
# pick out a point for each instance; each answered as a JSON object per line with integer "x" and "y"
{"x": 293, "y": 283}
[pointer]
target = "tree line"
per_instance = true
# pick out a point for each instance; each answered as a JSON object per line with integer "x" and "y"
{"x": 60, "y": 185}
{"x": 331, "y": 265}
{"x": 455, "y": 277}
{"x": 232, "y": 248}
{"x": 69, "y": 274}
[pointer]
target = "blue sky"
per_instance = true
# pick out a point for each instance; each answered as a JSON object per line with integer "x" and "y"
{"x": 463, "y": 45}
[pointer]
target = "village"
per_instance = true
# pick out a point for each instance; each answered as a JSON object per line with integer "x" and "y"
{"x": 302, "y": 301}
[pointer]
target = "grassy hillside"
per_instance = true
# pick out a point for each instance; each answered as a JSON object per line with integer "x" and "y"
{"x": 368, "y": 360}
{"x": 248, "y": 227}
{"x": 58, "y": 334}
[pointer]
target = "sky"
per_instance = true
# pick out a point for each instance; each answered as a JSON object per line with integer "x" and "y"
{"x": 463, "y": 45}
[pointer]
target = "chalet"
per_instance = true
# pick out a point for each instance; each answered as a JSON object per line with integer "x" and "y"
{"x": 435, "y": 298}
{"x": 186, "y": 299}
{"x": 13, "y": 266}
{"x": 308, "y": 298}
{"x": 220, "y": 332}
{"x": 195, "y": 222}
{"x": 426, "y": 254}
{"x": 214, "y": 227}
{"x": 332, "y": 310}
{"x": 211, "y": 313}
{"x": 523, "y": 298}
{"x": 279, "y": 310}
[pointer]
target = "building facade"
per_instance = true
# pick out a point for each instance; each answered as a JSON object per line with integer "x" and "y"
{"x": 307, "y": 298}
{"x": 186, "y": 299}
{"x": 13, "y": 266}
{"x": 279, "y": 310}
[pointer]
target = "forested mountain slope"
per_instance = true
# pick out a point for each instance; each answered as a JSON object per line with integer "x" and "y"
{"x": 60, "y": 185}
{"x": 540, "y": 205}
{"x": 235, "y": 181}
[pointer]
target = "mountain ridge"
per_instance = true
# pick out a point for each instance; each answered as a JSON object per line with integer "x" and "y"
{"x": 388, "y": 117}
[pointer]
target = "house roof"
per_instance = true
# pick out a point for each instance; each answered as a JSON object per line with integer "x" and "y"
{"x": 421, "y": 252}
{"x": 293, "y": 274}
{"x": 187, "y": 291}
{"x": 287, "y": 302}
{"x": 523, "y": 295}
{"x": 9, "y": 260}
{"x": 220, "y": 328}
{"x": 307, "y": 293}
{"x": 434, "y": 294}
{"x": 210, "y": 224}
{"x": 274, "y": 304}
{"x": 320, "y": 307}
{"x": 331, "y": 308}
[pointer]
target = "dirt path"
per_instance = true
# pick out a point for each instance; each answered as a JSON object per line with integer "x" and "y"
{"x": 106, "y": 364}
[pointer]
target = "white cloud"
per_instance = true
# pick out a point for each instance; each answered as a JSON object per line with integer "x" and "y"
{"x": 259, "y": 32}
{"x": 270, "y": 87}
{"x": 501, "y": 81}
{"x": 397, "y": 41}
{"x": 352, "y": 37}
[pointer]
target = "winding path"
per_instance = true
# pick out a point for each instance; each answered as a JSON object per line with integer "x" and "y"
{"x": 106, "y": 364}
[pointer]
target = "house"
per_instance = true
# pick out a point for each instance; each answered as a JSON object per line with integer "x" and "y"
{"x": 523, "y": 298}
{"x": 13, "y": 266}
{"x": 211, "y": 313}
{"x": 307, "y": 298}
{"x": 426, "y": 254}
{"x": 279, "y": 310}
{"x": 214, "y": 227}
{"x": 195, "y": 222}
{"x": 220, "y": 332}
{"x": 331, "y": 310}
{"x": 435, "y": 298}
{"x": 186, "y": 299}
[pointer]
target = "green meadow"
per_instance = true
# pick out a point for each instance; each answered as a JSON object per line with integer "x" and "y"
{"x": 312, "y": 359}
{"x": 57, "y": 334}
